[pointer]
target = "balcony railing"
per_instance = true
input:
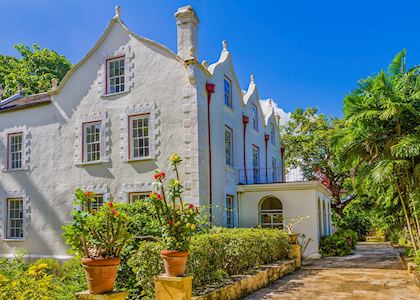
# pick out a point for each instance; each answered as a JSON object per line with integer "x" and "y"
{"x": 260, "y": 175}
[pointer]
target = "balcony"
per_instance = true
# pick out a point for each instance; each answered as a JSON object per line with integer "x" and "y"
{"x": 259, "y": 176}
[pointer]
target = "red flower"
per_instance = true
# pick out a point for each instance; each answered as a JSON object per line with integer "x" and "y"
{"x": 110, "y": 204}
{"x": 171, "y": 222}
{"x": 159, "y": 176}
{"x": 191, "y": 206}
{"x": 159, "y": 196}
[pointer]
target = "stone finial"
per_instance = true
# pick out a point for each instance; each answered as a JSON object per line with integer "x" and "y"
{"x": 191, "y": 52}
{"x": 1, "y": 91}
{"x": 270, "y": 102}
{"x": 54, "y": 84}
{"x": 252, "y": 78}
{"x": 19, "y": 86}
{"x": 205, "y": 64}
{"x": 225, "y": 45}
{"x": 117, "y": 11}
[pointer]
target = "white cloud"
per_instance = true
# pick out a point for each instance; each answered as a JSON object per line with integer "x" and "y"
{"x": 284, "y": 116}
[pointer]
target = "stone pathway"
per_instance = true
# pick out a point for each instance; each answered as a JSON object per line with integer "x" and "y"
{"x": 373, "y": 272}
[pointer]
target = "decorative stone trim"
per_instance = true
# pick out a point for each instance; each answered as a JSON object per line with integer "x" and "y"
{"x": 126, "y": 189}
{"x": 128, "y": 54}
{"x": 26, "y": 212}
{"x": 154, "y": 133}
{"x": 26, "y": 142}
{"x": 96, "y": 189}
{"x": 105, "y": 136}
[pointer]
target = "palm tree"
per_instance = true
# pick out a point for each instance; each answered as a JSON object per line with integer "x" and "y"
{"x": 383, "y": 133}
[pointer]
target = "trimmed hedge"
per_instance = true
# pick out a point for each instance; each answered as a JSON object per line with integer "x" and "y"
{"x": 214, "y": 256}
{"x": 340, "y": 243}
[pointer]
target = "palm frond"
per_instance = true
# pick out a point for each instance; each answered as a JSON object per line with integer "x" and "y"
{"x": 397, "y": 65}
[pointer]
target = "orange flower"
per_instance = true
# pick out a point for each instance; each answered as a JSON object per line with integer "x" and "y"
{"x": 114, "y": 212}
{"x": 88, "y": 194}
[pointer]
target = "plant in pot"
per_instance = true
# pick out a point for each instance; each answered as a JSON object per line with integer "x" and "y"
{"x": 291, "y": 225}
{"x": 98, "y": 236}
{"x": 179, "y": 221}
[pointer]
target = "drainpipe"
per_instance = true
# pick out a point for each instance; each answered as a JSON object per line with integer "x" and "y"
{"x": 210, "y": 90}
{"x": 245, "y": 121}
{"x": 283, "y": 169}
{"x": 266, "y": 138}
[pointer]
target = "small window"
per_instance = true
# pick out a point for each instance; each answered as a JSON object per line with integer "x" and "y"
{"x": 254, "y": 116}
{"x": 138, "y": 196}
{"x": 274, "y": 169}
{"x": 15, "y": 218}
{"x": 230, "y": 211}
{"x": 115, "y": 74}
{"x": 139, "y": 137}
{"x": 92, "y": 142}
{"x": 227, "y": 88}
{"x": 97, "y": 203}
{"x": 273, "y": 134}
{"x": 15, "y": 151}
{"x": 256, "y": 164}
{"x": 228, "y": 146}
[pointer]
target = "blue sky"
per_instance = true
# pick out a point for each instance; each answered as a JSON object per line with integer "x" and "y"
{"x": 303, "y": 53}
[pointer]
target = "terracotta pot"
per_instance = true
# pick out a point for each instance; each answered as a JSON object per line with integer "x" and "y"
{"x": 175, "y": 262}
{"x": 293, "y": 237}
{"x": 100, "y": 274}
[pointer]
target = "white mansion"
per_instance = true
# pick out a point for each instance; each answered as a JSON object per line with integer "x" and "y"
{"x": 119, "y": 114}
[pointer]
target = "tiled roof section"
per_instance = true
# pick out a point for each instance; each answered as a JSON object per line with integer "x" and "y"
{"x": 25, "y": 102}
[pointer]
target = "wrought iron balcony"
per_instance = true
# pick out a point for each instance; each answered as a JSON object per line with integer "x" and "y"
{"x": 259, "y": 175}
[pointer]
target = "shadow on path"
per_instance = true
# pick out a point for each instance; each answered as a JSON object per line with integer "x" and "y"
{"x": 374, "y": 271}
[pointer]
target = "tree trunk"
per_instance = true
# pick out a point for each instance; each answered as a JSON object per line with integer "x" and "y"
{"x": 407, "y": 218}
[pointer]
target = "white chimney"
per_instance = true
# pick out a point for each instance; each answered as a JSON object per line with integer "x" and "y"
{"x": 187, "y": 32}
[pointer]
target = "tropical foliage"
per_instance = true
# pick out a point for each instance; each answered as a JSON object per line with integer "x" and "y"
{"x": 33, "y": 70}
{"x": 340, "y": 243}
{"x": 308, "y": 140}
{"x": 381, "y": 140}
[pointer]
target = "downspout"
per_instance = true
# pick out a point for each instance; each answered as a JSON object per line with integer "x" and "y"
{"x": 210, "y": 90}
{"x": 266, "y": 138}
{"x": 245, "y": 120}
{"x": 283, "y": 169}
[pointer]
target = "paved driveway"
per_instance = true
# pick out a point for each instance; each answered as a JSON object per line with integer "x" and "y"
{"x": 373, "y": 272}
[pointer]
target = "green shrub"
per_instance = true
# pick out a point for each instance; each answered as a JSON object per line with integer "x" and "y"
{"x": 44, "y": 279}
{"x": 340, "y": 243}
{"x": 141, "y": 223}
{"x": 213, "y": 256}
{"x": 417, "y": 259}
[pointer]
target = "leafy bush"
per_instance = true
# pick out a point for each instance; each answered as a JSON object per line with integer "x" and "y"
{"x": 214, "y": 256}
{"x": 340, "y": 243}
{"x": 140, "y": 225}
{"x": 417, "y": 259}
{"x": 44, "y": 279}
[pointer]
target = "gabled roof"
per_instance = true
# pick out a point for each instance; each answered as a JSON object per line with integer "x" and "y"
{"x": 116, "y": 19}
{"x": 19, "y": 101}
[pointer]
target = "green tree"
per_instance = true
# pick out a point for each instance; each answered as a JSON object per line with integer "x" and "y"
{"x": 33, "y": 70}
{"x": 381, "y": 140}
{"x": 308, "y": 140}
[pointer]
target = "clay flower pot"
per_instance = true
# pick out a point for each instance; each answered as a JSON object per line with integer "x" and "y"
{"x": 100, "y": 274}
{"x": 174, "y": 262}
{"x": 293, "y": 237}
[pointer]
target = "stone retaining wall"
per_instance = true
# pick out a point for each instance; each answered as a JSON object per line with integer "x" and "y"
{"x": 251, "y": 283}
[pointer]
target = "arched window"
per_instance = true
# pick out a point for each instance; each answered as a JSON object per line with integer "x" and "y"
{"x": 271, "y": 213}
